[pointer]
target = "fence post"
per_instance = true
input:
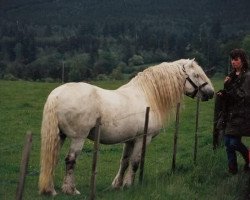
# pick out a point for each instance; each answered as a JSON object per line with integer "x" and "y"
{"x": 24, "y": 165}
{"x": 95, "y": 157}
{"x": 143, "y": 152}
{"x": 176, "y": 136}
{"x": 196, "y": 128}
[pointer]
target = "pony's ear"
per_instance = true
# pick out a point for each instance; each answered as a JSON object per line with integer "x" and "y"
{"x": 189, "y": 62}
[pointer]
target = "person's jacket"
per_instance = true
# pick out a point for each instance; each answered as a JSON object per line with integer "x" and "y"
{"x": 237, "y": 104}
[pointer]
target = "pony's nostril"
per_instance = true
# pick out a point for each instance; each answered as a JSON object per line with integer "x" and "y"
{"x": 211, "y": 95}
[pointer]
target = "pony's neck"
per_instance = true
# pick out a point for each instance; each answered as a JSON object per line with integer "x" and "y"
{"x": 163, "y": 87}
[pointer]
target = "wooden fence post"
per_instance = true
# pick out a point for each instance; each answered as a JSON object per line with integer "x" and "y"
{"x": 95, "y": 157}
{"x": 176, "y": 136}
{"x": 196, "y": 129}
{"x": 24, "y": 165}
{"x": 143, "y": 152}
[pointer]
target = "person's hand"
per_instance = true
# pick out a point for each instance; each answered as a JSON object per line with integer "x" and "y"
{"x": 227, "y": 79}
{"x": 219, "y": 93}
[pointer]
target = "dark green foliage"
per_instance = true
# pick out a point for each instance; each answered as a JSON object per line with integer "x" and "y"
{"x": 159, "y": 30}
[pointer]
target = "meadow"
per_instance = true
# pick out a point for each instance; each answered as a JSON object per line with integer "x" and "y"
{"x": 21, "y": 105}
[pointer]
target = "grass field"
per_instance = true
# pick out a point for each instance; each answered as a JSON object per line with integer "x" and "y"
{"x": 21, "y": 105}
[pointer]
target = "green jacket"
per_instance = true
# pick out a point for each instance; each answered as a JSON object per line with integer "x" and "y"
{"x": 237, "y": 105}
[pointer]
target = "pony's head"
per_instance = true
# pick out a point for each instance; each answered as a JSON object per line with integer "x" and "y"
{"x": 197, "y": 84}
{"x": 165, "y": 84}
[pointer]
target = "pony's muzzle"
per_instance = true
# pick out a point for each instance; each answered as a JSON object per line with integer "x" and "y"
{"x": 205, "y": 96}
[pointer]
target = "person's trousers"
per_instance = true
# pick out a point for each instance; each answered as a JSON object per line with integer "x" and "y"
{"x": 233, "y": 144}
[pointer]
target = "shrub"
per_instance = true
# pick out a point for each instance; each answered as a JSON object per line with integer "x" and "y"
{"x": 102, "y": 77}
{"x": 117, "y": 74}
{"x": 136, "y": 60}
{"x": 10, "y": 77}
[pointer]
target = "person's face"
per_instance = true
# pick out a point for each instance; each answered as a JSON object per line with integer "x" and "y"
{"x": 236, "y": 63}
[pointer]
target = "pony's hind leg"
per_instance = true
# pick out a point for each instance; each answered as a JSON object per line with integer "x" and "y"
{"x": 127, "y": 150}
{"x": 68, "y": 186}
{"x": 134, "y": 163}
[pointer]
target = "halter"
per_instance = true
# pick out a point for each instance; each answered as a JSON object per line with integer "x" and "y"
{"x": 196, "y": 88}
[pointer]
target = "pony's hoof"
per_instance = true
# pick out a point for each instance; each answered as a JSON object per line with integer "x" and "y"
{"x": 70, "y": 190}
{"x": 54, "y": 193}
{"x": 116, "y": 184}
{"x": 127, "y": 183}
{"x": 49, "y": 192}
{"x": 76, "y": 192}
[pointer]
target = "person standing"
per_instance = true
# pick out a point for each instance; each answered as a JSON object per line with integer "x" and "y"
{"x": 235, "y": 109}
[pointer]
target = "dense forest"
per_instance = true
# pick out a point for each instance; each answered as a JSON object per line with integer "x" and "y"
{"x": 105, "y": 39}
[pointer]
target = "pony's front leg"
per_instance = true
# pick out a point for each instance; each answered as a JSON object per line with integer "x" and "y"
{"x": 68, "y": 186}
{"x": 127, "y": 150}
{"x": 134, "y": 163}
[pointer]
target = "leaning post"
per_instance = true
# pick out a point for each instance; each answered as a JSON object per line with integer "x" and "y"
{"x": 176, "y": 136}
{"x": 95, "y": 157}
{"x": 143, "y": 152}
{"x": 196, "y": 129}
{"x": 24, "y": 166}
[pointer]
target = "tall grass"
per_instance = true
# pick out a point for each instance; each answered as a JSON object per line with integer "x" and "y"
{"x": 21, "y": 105}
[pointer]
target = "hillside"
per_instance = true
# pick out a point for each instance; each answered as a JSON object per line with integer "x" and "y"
{"x": 233, "y": 15}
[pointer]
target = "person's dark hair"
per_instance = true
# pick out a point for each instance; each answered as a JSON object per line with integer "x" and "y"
{"x": 240, "y": 53}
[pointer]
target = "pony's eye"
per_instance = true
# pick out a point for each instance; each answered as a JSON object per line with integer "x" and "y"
{"x": 196, "y": 75}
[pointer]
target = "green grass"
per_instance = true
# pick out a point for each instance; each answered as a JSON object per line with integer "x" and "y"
{"x": 21, "y": 105}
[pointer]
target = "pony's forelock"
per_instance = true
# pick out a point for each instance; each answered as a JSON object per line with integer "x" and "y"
{"x": 200, "y": 71}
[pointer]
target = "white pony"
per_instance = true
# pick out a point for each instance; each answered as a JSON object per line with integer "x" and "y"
{"x": 72, "y": 109}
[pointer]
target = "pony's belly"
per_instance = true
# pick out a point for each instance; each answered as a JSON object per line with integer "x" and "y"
{"x": 114, "y": 137}
{"x": 121, "y": 134}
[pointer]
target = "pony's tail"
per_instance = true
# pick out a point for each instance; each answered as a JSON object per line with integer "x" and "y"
{"x": 50, "y": 146}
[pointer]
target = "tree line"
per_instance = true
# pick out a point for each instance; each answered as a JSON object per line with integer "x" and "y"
{"x": 110, "y": 50}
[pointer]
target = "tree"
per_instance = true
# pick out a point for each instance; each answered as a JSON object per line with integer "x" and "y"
{"x": 48, "y": 31}
{"x": 16, "y": 69}
{"x": 25, "y": 48}
{"x": 117, "y": 73}
{"x": 246, "y": 44}
{"x": 128, "y": 49}
{"x": 2, "y": 69}
{"x": 78, "y": 68}
{"x": 216, "y": 29}
{"x": 107, "y": 61}
{"x": 8, "y": 45}
{"x": 136, "y": 60}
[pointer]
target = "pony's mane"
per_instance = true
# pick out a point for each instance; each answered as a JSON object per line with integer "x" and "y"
{"x": 163, "y": 86}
